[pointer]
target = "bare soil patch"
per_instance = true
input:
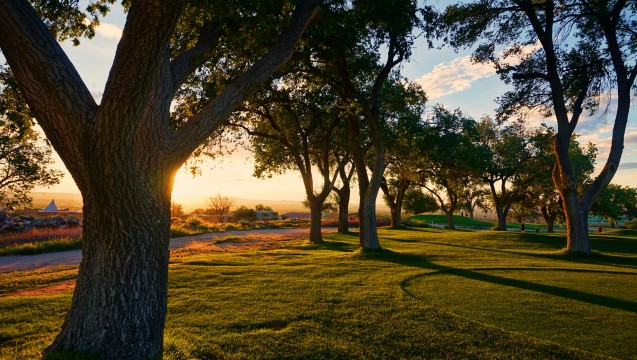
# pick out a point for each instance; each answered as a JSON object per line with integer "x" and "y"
{"x": 55, "y": 289}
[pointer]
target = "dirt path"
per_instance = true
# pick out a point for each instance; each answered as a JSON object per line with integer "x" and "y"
{"x": 73, "y": 257}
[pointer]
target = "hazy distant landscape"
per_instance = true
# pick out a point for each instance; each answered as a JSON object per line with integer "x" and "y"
{"x": 73, "y": 201}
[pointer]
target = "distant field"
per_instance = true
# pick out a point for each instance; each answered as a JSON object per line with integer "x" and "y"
{"x": 433, "y": 293}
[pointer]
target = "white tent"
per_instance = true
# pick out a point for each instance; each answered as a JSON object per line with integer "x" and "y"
{"x": 51, "y": 207}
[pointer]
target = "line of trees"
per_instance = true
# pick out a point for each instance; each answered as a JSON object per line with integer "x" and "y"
{"x": 321, "y": 94}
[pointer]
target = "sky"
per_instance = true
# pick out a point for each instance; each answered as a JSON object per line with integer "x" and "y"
{"x": 448, "y": 77}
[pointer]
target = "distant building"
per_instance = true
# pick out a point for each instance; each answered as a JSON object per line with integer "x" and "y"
{"x": 51, "y": 210}
{"x": 267, "y": 215}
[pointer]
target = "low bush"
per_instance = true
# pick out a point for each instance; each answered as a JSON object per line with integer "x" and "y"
{"x": 197, "y": 226}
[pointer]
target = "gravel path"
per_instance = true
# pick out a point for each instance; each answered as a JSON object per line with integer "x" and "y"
{"x": 73, "y": 257}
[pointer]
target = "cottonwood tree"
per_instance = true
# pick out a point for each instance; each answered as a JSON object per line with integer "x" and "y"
{"x": 403, "y": 108}
{"x": 541, "y": 192}
{"x": 417, "y": 202}
{"x": 219, "y": 206}
{"x": 585, "y": 51}
{"x": 450, "y": 158}
{"x": 124, "y": 152}
{"x": 615, "y": 202}
{"x": 356, "y": 47}
{"x": 291, "y": 127}
{"x": 474, "y": 196}
{"x": 24, "y": 156}
{"x": 343, "y": 193}
{"x": 506, "y": 169}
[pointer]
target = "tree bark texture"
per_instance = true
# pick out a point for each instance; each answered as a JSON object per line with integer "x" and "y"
{"x": 450, "y": 223}
{"x": 549, "y": 218}
{"x": 343, "y": 209}
{"x": 119, "y": 304}
{"x": 368, "y": 186}
{"x": 316, "y": 212}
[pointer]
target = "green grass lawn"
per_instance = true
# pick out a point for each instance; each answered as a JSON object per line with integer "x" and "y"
{"x": 432, "y": 293}
{"x": 463, "y": 221}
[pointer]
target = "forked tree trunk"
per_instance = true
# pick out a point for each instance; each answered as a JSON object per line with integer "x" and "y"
{"x": 577, "y": 240}
{"x": 575, "y": 211}
{"x": 549, "y": 218}
{"x": 395, "y": 201}
{"x": 119, "y": 303}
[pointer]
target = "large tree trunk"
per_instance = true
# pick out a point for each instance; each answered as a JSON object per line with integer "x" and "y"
{"x": 502, "y": 218}
{"x": 500, "y": 210}
{"x": 575, "y": 211}
{"x": 119, "y": 303}
{"x": 367, "y": 186}
{"x": 316, "y": 212}
{"x": 577, "y": 240}
{"x": 343, "y": 210}
{"x": 368, "y": 236}
{"x": 450, "y": 224}
{"x": 396, "y": 220}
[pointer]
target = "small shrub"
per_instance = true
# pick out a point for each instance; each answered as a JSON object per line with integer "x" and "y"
{"x": 630, "y": 225}
{"x": 194, "y": 222}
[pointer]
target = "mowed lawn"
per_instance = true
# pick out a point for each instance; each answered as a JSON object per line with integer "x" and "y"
{"x": 432, "y": 293}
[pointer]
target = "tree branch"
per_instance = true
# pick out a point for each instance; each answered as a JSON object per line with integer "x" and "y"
{"x": 205, "y": 122}
{"x": 54, "y": 90}
{"x": 529, "y": 76}
{"x": 145, "y": 38}
{"x": 184, "y": 64}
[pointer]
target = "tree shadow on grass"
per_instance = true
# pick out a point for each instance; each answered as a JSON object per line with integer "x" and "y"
{"x": 336, "y": 246}
{"x": 596, "y": 258}
{"x": 420, "y": 261}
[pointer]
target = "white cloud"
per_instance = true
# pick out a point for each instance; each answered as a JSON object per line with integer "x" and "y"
{"x": 453, "y": 76}
{"x": 628, "y": 165}
{"x": 460, "y": 73}
{"x": 109, "y": 31}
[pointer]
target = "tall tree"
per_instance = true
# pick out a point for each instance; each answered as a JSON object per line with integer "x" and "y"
{"x": 474, "y": 196}
{"x": 615, "y": 202}
{"x": 506, "y": 172}
{"x": 450, "y": 158}
{"x": 219, "y": 206}
{"x": 586, "y": 49}
{"x": 24, "y": 156}
{"x": 124, "y": 152}
{"x": 291, "y": 126}
{"x": 356, "y": 48}
{"x": 541, "y": 192}
{"x": 345, "y": 175}
{"x": 417, "y": 202}
{"x": 403, "y": 108}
